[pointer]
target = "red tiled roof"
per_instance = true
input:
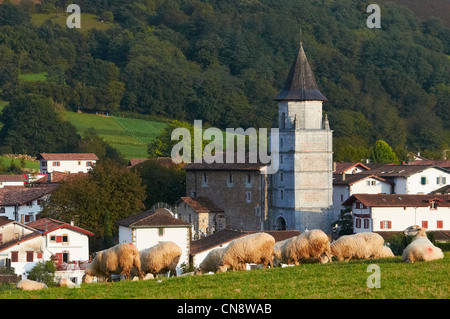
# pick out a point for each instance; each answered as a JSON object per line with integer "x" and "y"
{"x": 202, "y": 204}
{"x": 226, "y": 235}
{"x": 47, "y": 225}
{"x": 58, "y": 177}
{"x": 351, "y": 179}
{"x": 20, "y": 178}
{"x": 398, "y": 200}
{"x": 342, "y": 167}
{"x": 19, "y": 195}
{"x": 150, "y": 218}
{"x": 441, "y": 163}
{"x": 67, "y": 156}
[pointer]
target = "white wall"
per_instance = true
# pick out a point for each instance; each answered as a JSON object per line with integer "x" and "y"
{"x": 414, "y": 186}
{"x": 72, "y": 166}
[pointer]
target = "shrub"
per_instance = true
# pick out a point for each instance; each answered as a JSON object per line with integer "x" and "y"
{"x": 43, "y": 272}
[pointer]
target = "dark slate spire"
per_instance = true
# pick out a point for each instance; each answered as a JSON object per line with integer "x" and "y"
{"x": 300, "y": 84}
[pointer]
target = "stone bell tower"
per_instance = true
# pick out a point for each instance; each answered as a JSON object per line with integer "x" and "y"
{"x": 302, "y": 187}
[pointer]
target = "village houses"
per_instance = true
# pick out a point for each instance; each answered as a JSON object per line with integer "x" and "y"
{"x": 66, "y": 162}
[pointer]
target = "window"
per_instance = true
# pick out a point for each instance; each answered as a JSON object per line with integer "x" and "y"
{"x": 160, "y": 232}
{"x": 230, "y": 179}
{"x": 65, "y": 239}
{"x": 79, "y": 162}
{"x": 88, "y": 164}
{"x": 53, "y": 239}
{"x": 441, "y": 180}
{"x": 14, "y": 256}
{"x": 385, "y": 224}
{"x": 281, "y": 159}
{"x": 2, "y": 210}
{"x": 249, "y": 178}
{"x": 371, "y": 183}
{"x": 433, "y": 205}
{"x": 248, "y": 196}
{"x": 65, "y": 257}
{"x": 424, "y": 224}
{"x": 44, "y": 163}
{"x": 423, "y": 180}
{"x": 283, "y": 121}
{"x": 358, "y": 223}
{"x": 204, "y": 180}
{"x": 56, "y": 164}
{"x": 366, "y": 223}
{"x": 281, "y": 194}
{"x": 439, "y": 224}
{"x": 281, "y": 177}
{"x": 30, "y": 255}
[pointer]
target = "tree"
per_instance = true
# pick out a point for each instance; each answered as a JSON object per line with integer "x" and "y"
{"x": 383, "y": 153}
{"x": 163, "y": 184}
{"x": 43, "y": 272}
{"x": 96, "y": 201}
{"x": 32, "y": 126}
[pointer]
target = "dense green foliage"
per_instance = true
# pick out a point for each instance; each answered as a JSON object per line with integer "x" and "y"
{"x": 223, "y": 61}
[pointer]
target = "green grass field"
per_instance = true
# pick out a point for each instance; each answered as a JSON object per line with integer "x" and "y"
{"x": 33, "y": 77}
{"x": 28, "y": 164}
{"x": 398, "y": 280}
{"x": 130, "y": 136}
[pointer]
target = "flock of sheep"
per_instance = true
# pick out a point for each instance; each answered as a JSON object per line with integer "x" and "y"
{"x": 258, "y": 248}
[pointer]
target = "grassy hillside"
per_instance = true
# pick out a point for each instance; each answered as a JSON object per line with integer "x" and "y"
{"x": 130, "y": 136}
{"x": 336, "y": 280}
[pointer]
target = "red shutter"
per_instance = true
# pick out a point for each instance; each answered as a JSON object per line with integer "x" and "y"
{"x": 389, "y": 224}
{"x": 440, "y": 224}
{"x": 381, "y": 225}
{"x": 30, "y": 255}
{"x": 424, "y": 224}
{"x": 14, "y": 256}
{"x": 59, "y": 239}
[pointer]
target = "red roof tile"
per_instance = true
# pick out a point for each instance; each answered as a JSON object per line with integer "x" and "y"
{"x": 202, "y": 204}
{"x": 47, "y": 225}
{"x": 150, "y": 218}
{"x": 398, "y": 200}
{"x": 67, "y": 156}
{"x": 19, "y": 195}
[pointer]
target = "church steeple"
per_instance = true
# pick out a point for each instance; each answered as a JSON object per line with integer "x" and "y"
{"x": 300, "y": 84}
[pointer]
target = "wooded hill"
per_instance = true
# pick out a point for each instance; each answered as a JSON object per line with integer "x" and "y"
{"x": 224, "y": 61}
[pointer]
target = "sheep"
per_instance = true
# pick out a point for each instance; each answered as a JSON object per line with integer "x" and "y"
{"x": 255, "y": 248}
{"x": 160, "y": 258}
{"x": 384, "y": 252}
{"x": 119, "y": 259}
{"x": 421, "y": 248}
{"x": 27, "y": 284}
{"x": 311, "y": 244}
{"x": 357, "y": 246}
{"x": 211, "y": 261}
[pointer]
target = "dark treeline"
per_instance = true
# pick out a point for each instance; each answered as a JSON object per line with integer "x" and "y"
{"x": 223, "y": 61}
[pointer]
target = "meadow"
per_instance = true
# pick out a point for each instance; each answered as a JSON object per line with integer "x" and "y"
{"x": 130, "y": 136}
{"x": 337, "y": 280}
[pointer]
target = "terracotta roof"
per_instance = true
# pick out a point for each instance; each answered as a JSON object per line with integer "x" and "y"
{"x": 398, "y": 200}
{"x": 442, "y": 190}
{"x": 47, "y": 225}
{"x": 150, "y": 218}
{"x": 441, "y": 163}
{"x": 351, "y": 179}
{"x": 300, "y": 84}
{"x": 202, "y": 204}
{"x": 401, "y": 170}
{"x": 343, "y": 167}
{"x": 226, "y": 235}
{"x": 246, "y": 166}
{"x": 19, "y": 195}
{"x": 58, "y": 177}
{"x": 67, "y": 156}
{"x": 5, "y": 220}
{"x": 135, "y": 161}
{"x": 20, "y": 178}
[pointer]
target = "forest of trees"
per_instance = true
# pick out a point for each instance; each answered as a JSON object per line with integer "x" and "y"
{"x": 223, "y": 61}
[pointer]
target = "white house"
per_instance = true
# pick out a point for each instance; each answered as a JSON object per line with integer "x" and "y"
{"x": 396, "y": 212}
{"x": 66, "y": 162}
{"x": 413, "y": 179}
{"x": 12, "y": 180}
{"x": 345, "y": 185}
{"x": 148, "y": 228}
{"x": 23, "y": 203}
{"x": 45, "y": 239}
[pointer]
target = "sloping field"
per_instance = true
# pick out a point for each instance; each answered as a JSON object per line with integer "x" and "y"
{"x": 130, "y": 136}
{"x": 428, "y": 280}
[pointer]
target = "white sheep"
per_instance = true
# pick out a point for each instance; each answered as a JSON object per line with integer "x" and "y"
{"x": 211, "y": 262}
{"x": 27, "y": 284}
{"x": 358, "y": 246}
{"x": 421, "y": 248}
{"x": 119, "y": 259}
{"x": 309, "y": 245}
{"x": 384, "y": 252}
{"x": 160, "y": 258}
{"x": 255, "y": 248}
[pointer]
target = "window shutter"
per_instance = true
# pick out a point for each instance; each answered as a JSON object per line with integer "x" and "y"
{"x": 59, "y": 239}
{"x": 381, "y": 225}
{"x": 389, "y": 224}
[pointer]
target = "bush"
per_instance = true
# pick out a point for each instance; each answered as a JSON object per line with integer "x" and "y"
{"x": 43, "y": 272}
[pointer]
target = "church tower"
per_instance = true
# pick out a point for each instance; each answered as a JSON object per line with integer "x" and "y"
{"x": 302, "y": 187}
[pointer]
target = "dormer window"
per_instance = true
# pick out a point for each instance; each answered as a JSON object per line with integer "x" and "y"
{"x": 433, "y": 205}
